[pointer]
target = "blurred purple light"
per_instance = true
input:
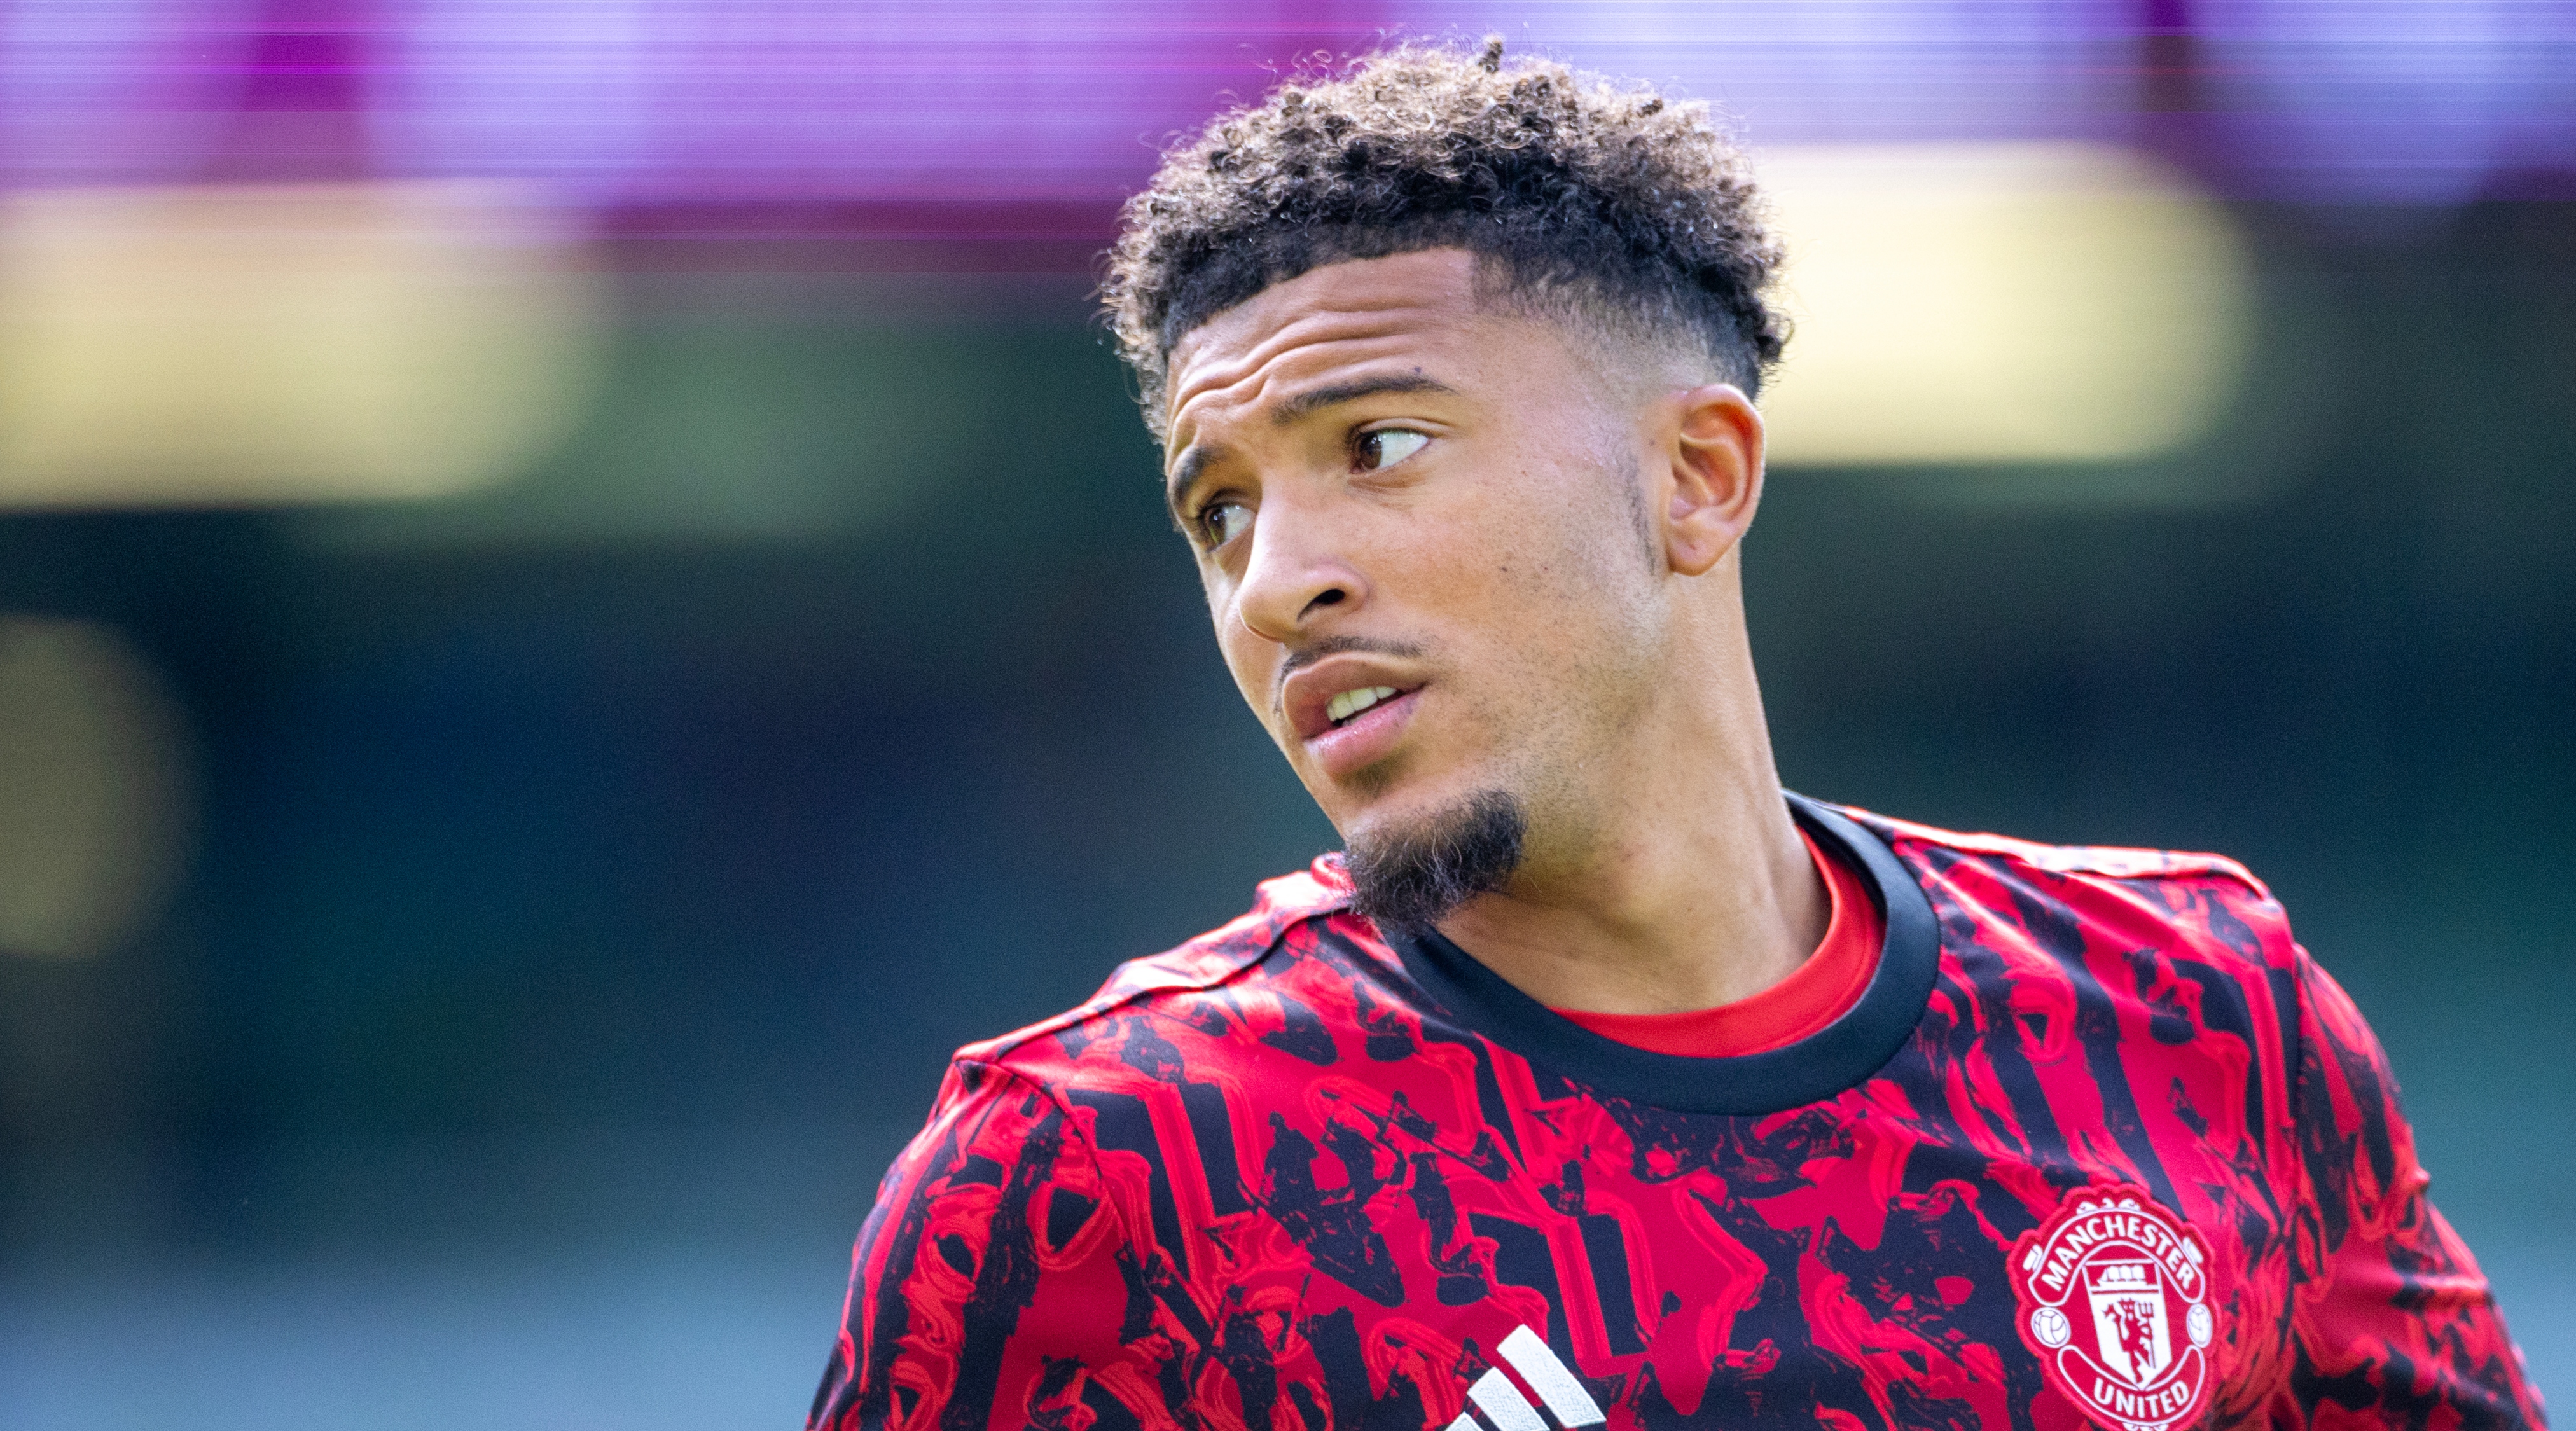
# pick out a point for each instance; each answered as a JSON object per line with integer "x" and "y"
{"x": 634, "y": 100}
{"x": 115, "y": 90}
{"x": 2407, "y": 100}
{"x": 1057, "y": 109}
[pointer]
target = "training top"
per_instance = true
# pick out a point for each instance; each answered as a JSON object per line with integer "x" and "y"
{"x": 2097, "y": 1144}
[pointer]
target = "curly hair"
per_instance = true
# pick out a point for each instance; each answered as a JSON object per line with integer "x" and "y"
{"x": 1582, "y": 193}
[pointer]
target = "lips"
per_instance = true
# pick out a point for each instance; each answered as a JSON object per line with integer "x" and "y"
{"x": 1365, "y": 738}
{"x": 1350, "y": 703}
{"x": 1309, "y": 699}
{"x": 1349, "y": 710}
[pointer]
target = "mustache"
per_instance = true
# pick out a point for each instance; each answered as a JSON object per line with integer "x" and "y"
{"x": 1308, "y": 653}
{"x": 1322, "y": 646}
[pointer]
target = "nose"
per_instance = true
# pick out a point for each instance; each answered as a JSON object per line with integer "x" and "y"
{"x": 1295, "y": 573}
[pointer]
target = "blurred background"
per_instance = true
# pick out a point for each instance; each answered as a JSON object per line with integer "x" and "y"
{"x": 581, "y": 599}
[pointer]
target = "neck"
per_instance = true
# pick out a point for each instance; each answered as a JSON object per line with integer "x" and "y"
{"x": 1691, "y": 887}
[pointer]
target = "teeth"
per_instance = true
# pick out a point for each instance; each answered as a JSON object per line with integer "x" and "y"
{"x": 1350, "y": 703}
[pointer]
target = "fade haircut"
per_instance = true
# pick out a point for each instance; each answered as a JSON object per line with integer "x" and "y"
{"x": 1583, "y": 198}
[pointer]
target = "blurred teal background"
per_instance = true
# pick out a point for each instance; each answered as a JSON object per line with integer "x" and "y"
{"x": 582, "y": 877}
{"x": 584, "y": 905}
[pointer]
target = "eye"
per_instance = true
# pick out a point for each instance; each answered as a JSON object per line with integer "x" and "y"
{"x": 1222, "y": 521}
{"x": 1379, "y": 450}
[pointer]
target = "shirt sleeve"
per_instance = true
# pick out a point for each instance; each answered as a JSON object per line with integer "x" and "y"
{"x": 993, "y": 1287}
{"x": 2393, "y": 1323}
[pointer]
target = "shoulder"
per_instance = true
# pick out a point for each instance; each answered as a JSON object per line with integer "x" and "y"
{"x": 2107, "y": 862}
{"x": 2096, "y": 898}
{"x": 1229, "y": 993}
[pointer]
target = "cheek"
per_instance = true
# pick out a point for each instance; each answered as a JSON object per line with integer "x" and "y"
{"x": 1570, "y": 608}
{"x": 1563, "y": 566}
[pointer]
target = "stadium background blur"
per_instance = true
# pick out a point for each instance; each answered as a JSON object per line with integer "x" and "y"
{"x": 580, "y": 600}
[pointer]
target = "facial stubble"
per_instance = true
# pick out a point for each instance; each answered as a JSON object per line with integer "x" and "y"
{"x": 1422, "y": 872}
{"x": 1427, "y": 868}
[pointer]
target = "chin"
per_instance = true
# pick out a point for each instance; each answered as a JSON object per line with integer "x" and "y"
{"x": 1380, "y": 803}
{"x": 1417, "y": 870}
{"x": 1399, "y": 795}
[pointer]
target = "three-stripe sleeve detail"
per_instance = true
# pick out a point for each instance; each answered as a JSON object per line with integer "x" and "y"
{"x": 1506, "y": 1409}
{"x": 1565, "y": 1397}
{"x": 1503, "y": 1403}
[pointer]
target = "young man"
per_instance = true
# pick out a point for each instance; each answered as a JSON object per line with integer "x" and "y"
{"x": 1600, "y": 1080}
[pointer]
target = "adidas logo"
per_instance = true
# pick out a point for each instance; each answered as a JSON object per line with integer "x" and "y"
{"x": 1506, "y": 1409}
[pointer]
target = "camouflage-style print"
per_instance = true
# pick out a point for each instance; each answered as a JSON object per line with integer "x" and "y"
{"x": 1266, "y": 1182}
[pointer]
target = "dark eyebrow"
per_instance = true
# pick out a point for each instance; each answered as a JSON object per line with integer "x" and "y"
{"x": 1185, "y": 472}
{"x": 1314, "y": 400}
{"x": 1305, "y": 404}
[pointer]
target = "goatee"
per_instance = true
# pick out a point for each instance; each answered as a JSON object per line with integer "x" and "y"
{"x": 1420, "y": 874}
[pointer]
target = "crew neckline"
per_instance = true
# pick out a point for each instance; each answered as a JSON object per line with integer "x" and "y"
{"x": 1821, "y": 989}
{"x": 1840, "y": 1055}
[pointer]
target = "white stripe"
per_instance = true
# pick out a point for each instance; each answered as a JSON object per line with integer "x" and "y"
{"x": 1556, "y": 1386}
{"x": 1495, "y": 1395}
{"x": 1465, "y": 1422}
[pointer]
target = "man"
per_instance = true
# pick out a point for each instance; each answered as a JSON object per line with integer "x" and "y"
{"x": 1601, "y": 1080}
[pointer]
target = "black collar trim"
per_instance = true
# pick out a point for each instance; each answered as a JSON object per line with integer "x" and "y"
{"x": 1842, "y": 1055}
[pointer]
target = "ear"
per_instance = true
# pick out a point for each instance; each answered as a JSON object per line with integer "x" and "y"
{"x": 1715, "y": 449}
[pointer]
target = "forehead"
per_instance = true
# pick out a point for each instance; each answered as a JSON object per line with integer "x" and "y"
{"x": 1343, "y": 316}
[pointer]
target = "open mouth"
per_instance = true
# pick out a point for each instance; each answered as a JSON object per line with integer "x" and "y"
{"x": 1344, "y": 708}
{"x": 1342, "y": 698}
{"x": 1358, "y": 727}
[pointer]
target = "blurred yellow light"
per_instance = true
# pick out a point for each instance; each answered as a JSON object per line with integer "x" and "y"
{"x": 236, "y": 345}
{"x": 1999, "y": 303}
{"x": 96, "y": 789}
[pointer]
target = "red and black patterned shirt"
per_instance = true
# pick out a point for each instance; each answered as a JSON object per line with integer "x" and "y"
{"x": 2097, "y": 1143}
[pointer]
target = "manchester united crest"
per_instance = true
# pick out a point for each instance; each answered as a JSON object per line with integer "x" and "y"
{"x": 2114, "y": 1295}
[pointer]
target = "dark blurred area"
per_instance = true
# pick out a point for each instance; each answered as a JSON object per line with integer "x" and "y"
{"x": 472, "y": 942}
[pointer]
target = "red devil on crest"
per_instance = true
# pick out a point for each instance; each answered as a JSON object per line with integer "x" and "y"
{"x": 2114, "y": 1297}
